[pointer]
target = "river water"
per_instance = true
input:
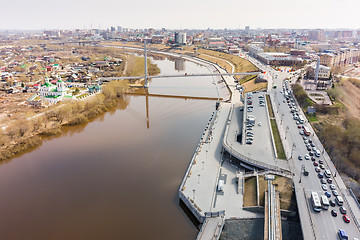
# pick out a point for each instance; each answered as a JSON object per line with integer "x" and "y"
{"x": 112, "y": 178}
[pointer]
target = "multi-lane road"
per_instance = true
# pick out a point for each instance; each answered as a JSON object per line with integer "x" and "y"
{"x": 323, "y": 224}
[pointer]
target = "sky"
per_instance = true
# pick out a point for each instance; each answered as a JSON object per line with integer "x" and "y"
{"x": 185, "y": 14}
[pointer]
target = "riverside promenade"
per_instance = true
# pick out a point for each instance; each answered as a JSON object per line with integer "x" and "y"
{"x": 200, "y": 190}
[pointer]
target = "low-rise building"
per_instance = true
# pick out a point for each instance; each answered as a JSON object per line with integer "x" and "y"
{"x": 275, "y": 58}
{"x": 324, "y": 72}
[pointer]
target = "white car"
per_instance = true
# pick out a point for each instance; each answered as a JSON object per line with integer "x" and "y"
{"x": 324, "y": 187}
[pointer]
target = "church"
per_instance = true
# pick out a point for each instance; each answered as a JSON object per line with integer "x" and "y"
{"x": 53, "y": 93}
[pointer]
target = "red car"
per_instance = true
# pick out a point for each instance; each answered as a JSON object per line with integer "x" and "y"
{"x": 346, "y": 218}
{"x": 316, "y": 164}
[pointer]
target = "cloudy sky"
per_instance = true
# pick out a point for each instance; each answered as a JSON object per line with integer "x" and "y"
{"x": 199, "y": 14}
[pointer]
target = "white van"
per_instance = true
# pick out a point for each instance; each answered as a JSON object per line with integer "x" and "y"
{"x": 339, "y": 200}
{"x": 220, "y": 187}
{"x": 327, "y": 173}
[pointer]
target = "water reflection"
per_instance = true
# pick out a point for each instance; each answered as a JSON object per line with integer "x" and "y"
{"x": 117, "y": 177}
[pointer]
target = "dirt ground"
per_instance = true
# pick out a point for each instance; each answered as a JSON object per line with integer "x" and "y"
{"x": 251, "y": 86}
{"x": 14, "y": 106}
{"x": 284, "y": 186}
{"x": 250, "y": 192}
{"x": 350, "y": 97}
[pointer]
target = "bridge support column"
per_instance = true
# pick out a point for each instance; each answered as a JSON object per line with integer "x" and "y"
{"x": 146, "y": 85}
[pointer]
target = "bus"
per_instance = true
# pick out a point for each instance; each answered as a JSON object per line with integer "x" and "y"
{"x": 325, "y": 202}
{"x": 307, "y": 131}
{"x": 315, "y": 200}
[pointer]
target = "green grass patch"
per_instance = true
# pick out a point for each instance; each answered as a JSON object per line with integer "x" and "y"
{"x": 312, "y": 118}
{"x": 278, "y": 144}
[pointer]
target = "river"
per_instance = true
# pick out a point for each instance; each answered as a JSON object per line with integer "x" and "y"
{"x": 112, "y": 178}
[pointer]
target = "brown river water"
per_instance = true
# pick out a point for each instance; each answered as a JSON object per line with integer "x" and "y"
{"x": 112, "y": 178}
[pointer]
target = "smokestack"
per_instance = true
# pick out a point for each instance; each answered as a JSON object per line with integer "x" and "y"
{"x": 317, "y": 69}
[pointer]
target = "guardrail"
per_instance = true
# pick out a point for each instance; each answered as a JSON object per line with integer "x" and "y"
{"x": 311, "y": 221}
{"x": 353, "y": 195}
{"x": 352, "y": 213}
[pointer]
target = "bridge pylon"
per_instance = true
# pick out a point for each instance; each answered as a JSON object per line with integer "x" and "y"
{"x": 146, "y": 85}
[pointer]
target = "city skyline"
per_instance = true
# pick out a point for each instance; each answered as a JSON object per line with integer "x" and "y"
{"x": 39, "y": 14}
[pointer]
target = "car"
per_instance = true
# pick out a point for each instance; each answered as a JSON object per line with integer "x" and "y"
{"x": 317, "y": 169}
{"x": 300, "y": 157}
{"x": 308, "y": 145}
{"x": 249, "y": 139}
{"x": 299, "y": 126}
{"x": 334, "y": 213}
{"x": 329, "y": 180}
{"x": 249, "y": 109}
{"x": 313, "y": 159}
{"x": 322, "y": 181}
{"x": 332, "y": 203}
{"x": 335, "y": 193}
{"x": 346, "y": 218}
{"x": 322, "y": 166}
{"x": 308, "y": 148}
{"x": 259, "y": 124}
{"x": 321, "y": 161}
{"x": 324, "y": 187}
{"x": 249, "y": 142}
{"x": 316, "y": 164}
{"x": 343, "y": 210}
{"x": 313, "y": 148}
{"x": 310, "y": 141}
{"x": 307, "y": 157}
{"x": 311, "y": 154}
{"x": 312, "y": 144}
{"x": 298, "y": 123}
{"x": 302, "y": 132}
{"x": 320, "y": 175}
{"x": 304, "y": 137}
{"x": 332, "y": 186}
{"x": 327, "y": 194}
{"x": 249, "y": 134}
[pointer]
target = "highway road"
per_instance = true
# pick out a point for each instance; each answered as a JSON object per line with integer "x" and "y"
{"x": 325, "y": 225}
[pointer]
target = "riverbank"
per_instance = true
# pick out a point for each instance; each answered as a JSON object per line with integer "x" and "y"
{"x": 24, "y": 134}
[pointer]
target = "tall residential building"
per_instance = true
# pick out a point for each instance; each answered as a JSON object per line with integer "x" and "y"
{"x": 317, "y": 35}
{"x": 180, "y": 38}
